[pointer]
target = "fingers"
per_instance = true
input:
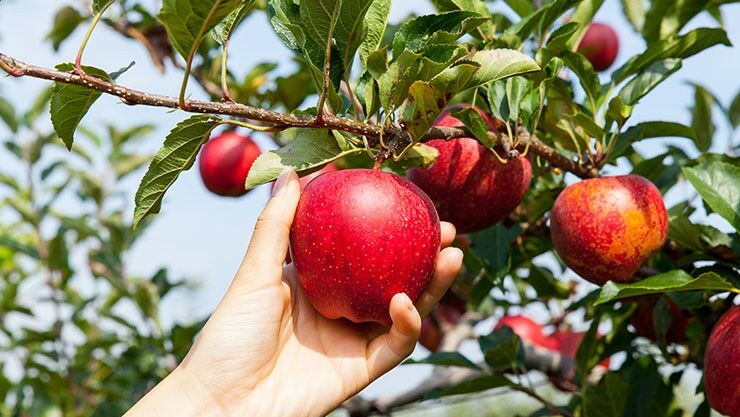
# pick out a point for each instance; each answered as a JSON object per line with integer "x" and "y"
{"x": 269, "y": 244}
{"x": 389, "y": 349}
{"x": 448, "y": 233}
{"x": 448, "y": 266}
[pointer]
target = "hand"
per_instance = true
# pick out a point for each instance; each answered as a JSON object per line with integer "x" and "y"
{"x": 266, "y": 351}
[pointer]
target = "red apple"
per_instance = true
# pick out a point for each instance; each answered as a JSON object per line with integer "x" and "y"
{"x": 528, "y": 330}
{"x": 567, "y": 342}
{"x": 430, "y": 336}
{"x": 722, "y": 364}
{"x": 359, "y": 237}
{"x": 642, "y": 321}
{"x": 605, "y": 228}
{"x": 470, "y": 187}
{"x": 600, "y": 45}
{"x": 448, "y": 312}
{"x": 225, "y": 162}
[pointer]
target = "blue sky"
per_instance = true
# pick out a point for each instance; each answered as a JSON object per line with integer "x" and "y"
{"x": 202, "y": 237}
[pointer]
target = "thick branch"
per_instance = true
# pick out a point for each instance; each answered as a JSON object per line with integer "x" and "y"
{"x": 279, "y": 120}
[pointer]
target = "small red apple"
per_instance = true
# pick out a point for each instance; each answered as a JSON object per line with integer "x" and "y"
{"x": 430, "y": 336}
{"x": 722, "y": 364}
{"x": 642, "y": 321}
{"x": 605, "y": 228}
{"x": 600, "y": 45}
{"x": 358, "y": 238}
{"x": 528, "y": 330}
{"x": 568, "y": 342}
{"x": 225, "y": 162}
{"x": 448, "y": 312}
{"x": 470, "y": 187}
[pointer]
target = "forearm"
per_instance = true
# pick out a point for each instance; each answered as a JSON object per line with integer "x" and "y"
{"x": 177, "y": 395}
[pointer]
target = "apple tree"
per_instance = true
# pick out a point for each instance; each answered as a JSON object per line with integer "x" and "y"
{"x": 509, "y": 115}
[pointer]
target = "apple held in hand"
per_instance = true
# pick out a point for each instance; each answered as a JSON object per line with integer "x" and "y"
{"x": 605, "y": 228}
{"x": 225, "y": 162}
{"x": 528, "y": 330}
{"x": 600, "y": 45}
{"x": 470, "y": 187}
{"x": 722, "y": 364}
{"x": 358, "y": 238}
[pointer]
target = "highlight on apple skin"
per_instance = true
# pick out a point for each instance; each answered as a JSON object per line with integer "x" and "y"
{"x": 470, "y": 187}
{"x": 600, "y": 45}
{"x": 606, "y": 228}
{"x": 722, "y": 364}
{"x": 225, "y": 161}
{"x": 358, "y": 238}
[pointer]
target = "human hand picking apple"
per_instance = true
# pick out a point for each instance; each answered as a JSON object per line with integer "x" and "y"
{"x": 266, "y": 350}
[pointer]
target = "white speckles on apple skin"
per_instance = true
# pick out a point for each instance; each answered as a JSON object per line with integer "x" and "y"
{"x": 359, "y": 237}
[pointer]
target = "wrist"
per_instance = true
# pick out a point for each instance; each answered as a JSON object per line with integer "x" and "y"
{"x": 179, "y": 394}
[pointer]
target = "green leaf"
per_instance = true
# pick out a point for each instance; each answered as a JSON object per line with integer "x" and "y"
{"x": 484, "y": 67}
{"x": 667, "y": 17}
{"x": 70, "y": 103}
{"x": 541, "y": 19}
{"x": 586, "y": 75}
{"x": 498, "y": 101}
{"x": 187, "y": 21}
{"x": 648, "y": 79}
{"x": 176, "y": 155}
{"x": 349, "y": 27}
{"x": 443, "y": 28}
{"x": 674, "y": 281}
{"x": 608, "y": 398}
{"x": 376, "y": 22}
{"x": 492, "y": 245}
{"x": 308, "y": 152}
{"x": 521, "y": 7}
{"x": 649, "y": 130}
{"x": 444, "y": 359}
{"x": 66, "y": 20}
{"x": 734, "y": 111}
{"x": 99, "y": 5}
{"x": 675, "y": 47}
{"x": 222, "y": 32}
{"x": 701, "y": 118}
{"x": 7, "y": 113}
{"x": 502, "y": 349}
{"x": 546, "y": 284}
{"x": 411, "y": 67}
{"x": 718, "y": 183}
{"x": 419, "y": 112}
{"x": 475, "y": 123}
{"x": 516, "y": 89}
{"x": 477, "y": 6}
{"x": 634, "y": 10}
{"x": 583, "y": 14}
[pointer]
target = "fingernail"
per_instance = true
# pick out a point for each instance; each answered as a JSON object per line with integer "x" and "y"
{"x": 282, "y": 181}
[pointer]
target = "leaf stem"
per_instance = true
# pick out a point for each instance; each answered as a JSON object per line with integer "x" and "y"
{"x": 327, "y": 65}
{"x": 88, "y": 35}
{"x": 225, "y": 72}
{"x": 189, "y": 65}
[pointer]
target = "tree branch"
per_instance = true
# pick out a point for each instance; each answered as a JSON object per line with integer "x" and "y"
{"x": 280, "y": 120}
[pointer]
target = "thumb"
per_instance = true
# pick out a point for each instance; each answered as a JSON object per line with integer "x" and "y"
{"x": 269, "y": 245}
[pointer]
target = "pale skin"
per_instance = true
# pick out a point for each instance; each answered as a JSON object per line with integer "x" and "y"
{"x": 266, "y": 351}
